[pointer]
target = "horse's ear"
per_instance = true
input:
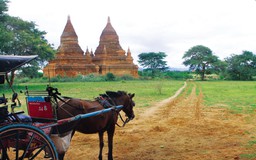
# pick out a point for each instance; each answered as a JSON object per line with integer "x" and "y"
{"x": 112, "y": 94}
{"x": 131, "y": 95}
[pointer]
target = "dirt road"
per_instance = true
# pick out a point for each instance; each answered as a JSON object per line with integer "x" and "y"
{"x": 180, "y": 128}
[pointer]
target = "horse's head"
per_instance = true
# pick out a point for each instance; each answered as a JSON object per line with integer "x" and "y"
{"x": 122, "y": 98}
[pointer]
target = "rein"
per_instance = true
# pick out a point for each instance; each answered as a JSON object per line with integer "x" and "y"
{"x": 124, "y": 121}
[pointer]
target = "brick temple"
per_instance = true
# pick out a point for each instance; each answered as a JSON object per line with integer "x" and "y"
{"x": 109, "y": 57}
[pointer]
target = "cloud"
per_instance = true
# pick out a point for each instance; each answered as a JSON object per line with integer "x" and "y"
{"x": 173, "y": 27}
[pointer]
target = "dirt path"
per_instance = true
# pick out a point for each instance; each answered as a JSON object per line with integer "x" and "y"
{"x": 179, "y": 128}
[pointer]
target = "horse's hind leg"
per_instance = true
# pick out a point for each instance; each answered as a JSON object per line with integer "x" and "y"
{"x": 101, "y": 144}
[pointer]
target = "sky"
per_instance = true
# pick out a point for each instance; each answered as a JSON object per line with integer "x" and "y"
{"x": 171, "y": 26}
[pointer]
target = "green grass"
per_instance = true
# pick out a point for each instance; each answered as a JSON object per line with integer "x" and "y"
{"x": 238, "y": 96}
{"x": 146, "y": 92}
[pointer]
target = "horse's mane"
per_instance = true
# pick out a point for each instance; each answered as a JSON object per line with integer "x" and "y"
{"x": 115, "y": 94}
{"x": 122, "y": 92}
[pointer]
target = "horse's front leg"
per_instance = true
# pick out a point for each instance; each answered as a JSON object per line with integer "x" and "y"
{"x": 101, "y": 144}
{"x": 110, "y": 131}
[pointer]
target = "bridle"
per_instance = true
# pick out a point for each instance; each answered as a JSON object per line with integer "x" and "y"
{"x": 124, "y": 121}
{"x": 119, "y": 114}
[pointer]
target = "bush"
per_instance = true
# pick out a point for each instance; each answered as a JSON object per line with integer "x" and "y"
{"x": 178, "y": 75}
{"x": 110, "y": 77}
{"x": 93, "y": 78}
{"x": 127, "y": 77}
{"x": 22, "y": 80}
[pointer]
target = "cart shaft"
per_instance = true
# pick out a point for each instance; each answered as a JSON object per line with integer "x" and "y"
{"x": 81, "y": 116}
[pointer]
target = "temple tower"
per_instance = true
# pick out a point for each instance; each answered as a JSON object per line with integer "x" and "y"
{"x": 108, "y": 57}
{"x": 70, "y": 59}
{"x": 116, "y": 60}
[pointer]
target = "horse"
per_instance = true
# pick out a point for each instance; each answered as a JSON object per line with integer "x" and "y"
{"x": 106, "y": 122}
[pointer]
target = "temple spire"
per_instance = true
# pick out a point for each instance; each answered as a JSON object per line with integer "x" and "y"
{"x": 69, "y": 33}
{"x": 129, "y": 52}
{"x": 69, "y": 41}
{"x": 110, "y": 39}
{"x": 108, "y": 19}
{"x": 109, "y": 30}
{"x": 88, "y": 56}
{"x": 129, "y": 56}
{"x": 92, "y": 53}
{"x": 87, "y": 53}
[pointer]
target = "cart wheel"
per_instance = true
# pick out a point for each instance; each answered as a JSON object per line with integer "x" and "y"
{"x": 22, "y": 141}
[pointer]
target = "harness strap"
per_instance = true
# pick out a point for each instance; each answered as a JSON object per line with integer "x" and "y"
{"x": 124, "y": 121}
{"x": 65, "y": 102}
{"x": 105, "y": 102}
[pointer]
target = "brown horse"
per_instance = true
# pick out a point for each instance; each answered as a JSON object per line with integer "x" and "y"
{"x": 71, "y": 107}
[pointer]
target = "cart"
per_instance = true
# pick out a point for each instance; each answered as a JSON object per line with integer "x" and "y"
{"x": 28, "y": 136}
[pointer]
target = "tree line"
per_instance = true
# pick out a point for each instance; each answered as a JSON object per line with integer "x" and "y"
{"x": 201, "y": 60}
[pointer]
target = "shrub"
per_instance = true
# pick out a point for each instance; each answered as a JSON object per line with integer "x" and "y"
{"x": 127, "y": 77}
{"x": 110, "y": 77}
{"x": 179, "y": 75}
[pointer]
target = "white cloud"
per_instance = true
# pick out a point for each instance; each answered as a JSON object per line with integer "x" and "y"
{"x": 171, "y": 26}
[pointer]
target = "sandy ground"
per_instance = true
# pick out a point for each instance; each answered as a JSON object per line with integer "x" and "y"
{"x": 179, "y": 128}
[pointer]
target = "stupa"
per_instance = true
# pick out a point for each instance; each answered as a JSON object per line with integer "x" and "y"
{"x": 109, "y": 57}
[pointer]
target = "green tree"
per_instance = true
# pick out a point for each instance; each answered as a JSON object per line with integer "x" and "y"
{"x": 201, "y": 60}
{"x": 19, "y": 37}
{"x": 241, "y": 67}
{"x": 153, "y": 61}
{"x": 3, "y": 8}
{"x": 219, "y": 68}
{"x": 23, "y": 38}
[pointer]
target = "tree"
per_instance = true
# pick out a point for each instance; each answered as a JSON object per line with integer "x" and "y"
{"x": 23, "y": 38}
{"x": 19, "y": 37}
{"x": 153, "y": 61}
{"x": 201, "y": 60}
{"x": 241, "y": 67}
{"x": 3, "y": 8}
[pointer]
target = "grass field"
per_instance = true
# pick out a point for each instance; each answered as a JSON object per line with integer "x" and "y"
{"x": 239, "y": 97}
{"x": 146, "y": 92}
{"x": 235, "y": 95}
